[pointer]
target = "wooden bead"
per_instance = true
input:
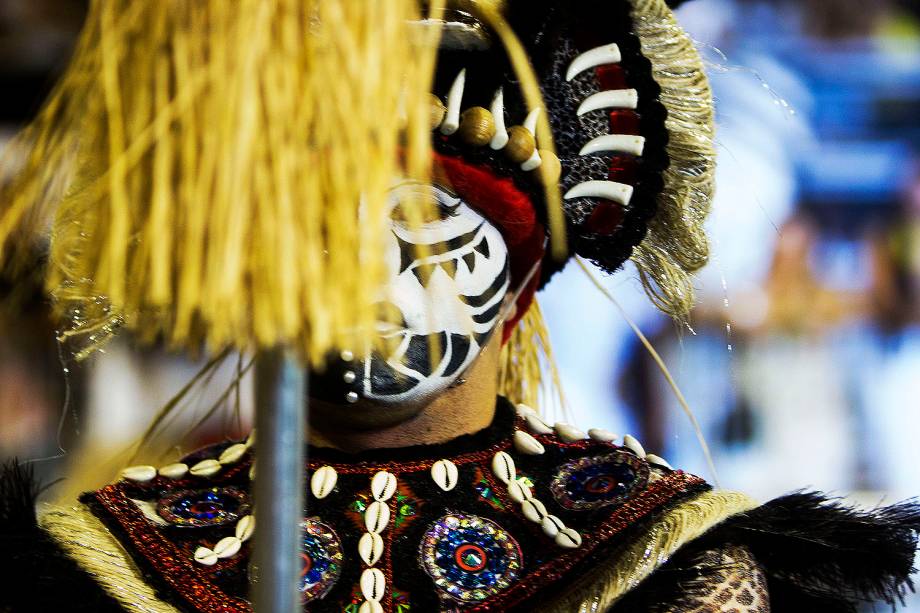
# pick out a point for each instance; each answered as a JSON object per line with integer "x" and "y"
{"x": 477, "y": 126}
{"x": 550, "y": 169}
{"x": 521, "y": 144}
{"x": 437, "y": 111}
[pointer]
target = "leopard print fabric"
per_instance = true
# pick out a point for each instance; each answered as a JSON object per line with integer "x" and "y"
{"x": 730, "y": 581}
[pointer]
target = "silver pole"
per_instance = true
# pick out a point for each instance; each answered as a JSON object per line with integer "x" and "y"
{"x": 279, "y": 482}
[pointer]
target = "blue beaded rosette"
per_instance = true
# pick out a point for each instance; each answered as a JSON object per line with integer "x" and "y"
{"x": 470, "y": 558}
{"x": 598, "y": 481}
{"x": 203, "y": 508}
{"x": 321, "y": 557}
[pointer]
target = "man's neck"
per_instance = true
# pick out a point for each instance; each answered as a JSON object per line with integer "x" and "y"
{"x": 463, "y": 409}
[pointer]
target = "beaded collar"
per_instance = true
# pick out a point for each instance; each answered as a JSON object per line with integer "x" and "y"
{"x": 489, "y": 521}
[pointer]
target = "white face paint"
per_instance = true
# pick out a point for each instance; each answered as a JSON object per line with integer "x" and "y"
{"x": 449, "y": 297}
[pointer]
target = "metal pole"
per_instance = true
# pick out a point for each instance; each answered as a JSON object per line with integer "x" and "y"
{"x": 279, "y": 482}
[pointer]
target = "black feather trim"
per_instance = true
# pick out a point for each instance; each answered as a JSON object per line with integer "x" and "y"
{"x": 818, "y": 546}
{"x": 35, "y": 575}
{"x": 819, "y": 556}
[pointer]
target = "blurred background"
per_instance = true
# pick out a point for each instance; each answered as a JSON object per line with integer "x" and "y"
{"x": 802, "y": 360}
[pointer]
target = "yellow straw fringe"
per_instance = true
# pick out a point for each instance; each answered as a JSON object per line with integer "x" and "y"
{"x": 216, "y": 173}
{"x": 524, "y": 362}
{"x": 600, "y": 590}
{"x": 86, "y": 541}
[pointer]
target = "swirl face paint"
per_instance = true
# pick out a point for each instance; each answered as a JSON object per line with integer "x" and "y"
{"x": 448, "y": 278}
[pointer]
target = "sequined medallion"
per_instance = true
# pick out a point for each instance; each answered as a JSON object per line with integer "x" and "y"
{"x": 598, "y": 481}
{"x": 203, "y": 508}
{"x": 321, "y": 557}
{"x": 469, "y": 557}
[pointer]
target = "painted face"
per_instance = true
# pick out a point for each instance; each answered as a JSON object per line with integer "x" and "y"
{"x": 444, "y": 302}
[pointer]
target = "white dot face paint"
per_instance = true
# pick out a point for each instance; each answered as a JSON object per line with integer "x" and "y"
{"x": 447, "y": 282}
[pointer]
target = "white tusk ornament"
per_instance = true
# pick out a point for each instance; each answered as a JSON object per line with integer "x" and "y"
{"x": 609, "y": 99}
{"x": 605, "y": 54}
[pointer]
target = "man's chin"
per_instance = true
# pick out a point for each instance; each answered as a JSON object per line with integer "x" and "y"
{"x": 362, "y": 415}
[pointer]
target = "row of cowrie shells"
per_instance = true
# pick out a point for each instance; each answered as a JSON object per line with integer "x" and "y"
{"x": 534, "y": 510}
{"x": 370, "y": 546}
{"x": 229, "y": 546}
{"x": 178, "y": 470}
{"x": 569, "y": 434}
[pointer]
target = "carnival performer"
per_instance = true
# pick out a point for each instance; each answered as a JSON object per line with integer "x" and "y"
{"x": 434, "y": 484}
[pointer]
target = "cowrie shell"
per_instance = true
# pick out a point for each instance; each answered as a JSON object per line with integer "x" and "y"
{"x": 205, "y": 468}
{"x": 551, "y": 526}
{"x": 633, "y": 445}
{"x": 658, "y": 461}
{"x": 534, "y": 510}
{"x": 568, "y": 433}
{"x": 139, "y": 473}
{"x": 370, "y": 547}
{"x": 232, "y": 454}
{"x": 370, "y": 606}
{"x": 373, "y": 583}
{"x": 323, "y": 481}
{"x": 376, "y": 516}
{"x": 519, "y": 492}
{"x": 174, "y": 471}
{"x": 227, "y": 547}
{"x": 383, "y": 485}
{"x": 444, "y": 473}
{"x": 568, "y": 538}
{"x": 205, "y": 556}
{"x": 536, "y": 425}
{"x": 527, "y": 444}
{"x": 503, "y": 467}
{"x": 523, "y": 410}
{"x": 245, "y": 528}
{"x": 599, "y": 434}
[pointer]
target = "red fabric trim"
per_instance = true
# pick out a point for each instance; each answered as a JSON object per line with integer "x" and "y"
{"x": 511, "y": 211}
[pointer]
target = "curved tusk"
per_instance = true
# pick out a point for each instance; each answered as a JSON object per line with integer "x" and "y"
{"x": 454, "y": 99}
{"x": 533, "y": 162}
{"x": 531, "y": 122}
{"x": 608, "y": 190}
{"x": 612, "y": 98}
{"x": 621, "y": 143}
{"x": 500, "y": 139}
{"x": 605, "y": 54}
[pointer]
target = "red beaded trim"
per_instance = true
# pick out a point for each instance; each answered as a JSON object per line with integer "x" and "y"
{"x": 656, "y": 495}
{"x": 177, "y": 569}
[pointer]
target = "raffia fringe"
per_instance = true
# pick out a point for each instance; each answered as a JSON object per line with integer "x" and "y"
{"x": 647, "y": 553}
{"x": 676, "y": 244}
{"x": 216, "y": 173}
{"x": 85, "y": 540}
{"x": 527, "y": 371}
